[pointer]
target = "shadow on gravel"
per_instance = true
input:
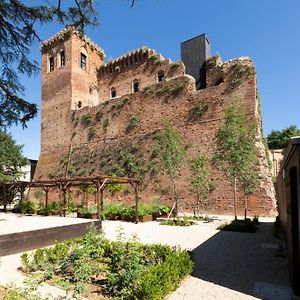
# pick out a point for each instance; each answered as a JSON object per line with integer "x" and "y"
{"x": 237, "y": 260}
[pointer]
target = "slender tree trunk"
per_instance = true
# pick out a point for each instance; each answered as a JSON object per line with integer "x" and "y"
{"x": 198, "y": 206}
{"x": 246, "y": 205}
{"x": 234, "y": 199}
{"x": 175, "y": 196}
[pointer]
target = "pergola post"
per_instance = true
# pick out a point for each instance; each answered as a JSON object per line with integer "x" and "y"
{"x": 22, "y": 189}
{"x": 46, "y": 189}
{"x": 5, "y": 198}
{"x": 98, "y": 200}
{"x": 85, "y": 201}
{"x": 101, "y": 203}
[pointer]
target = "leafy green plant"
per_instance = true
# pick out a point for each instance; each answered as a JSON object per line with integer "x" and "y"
{"x": 101, "y": 55}
{"x": 92, "y": 133}
{"x": 133, "y": 121}
{"x": 201, "y": 184}
{"x": 198, "y": 110}
{"x": 76, "y": 262}
{"x": 177, "y": 222}
{"x": 175, "y": 65}
{"x": 113, "y": 188}
{"x": 239, "y": 226}
{"x": 156, "y": 58}
{"x": 86, "y": 119}
{"x": 236, "y": 153}
{"x": 171, "y": 155}
{"x": 105, "y": 124}
{"x": 99, "y": 115}
{"x": 29, "y": 207}
{"x": 170, "y": 90}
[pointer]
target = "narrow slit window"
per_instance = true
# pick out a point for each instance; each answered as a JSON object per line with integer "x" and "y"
{"x": 136, "y": 86}
{"x": 62, "y": 58}
{"x": 83, "y": 61}
{"x": 113, "y": 93}
{"x": 51, "y": 64}
{"x": 160, "y": 76}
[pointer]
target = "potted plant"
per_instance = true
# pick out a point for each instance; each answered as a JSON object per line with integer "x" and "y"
{"x": 43, "y": 210}
{"x": 128, "y": 214}
{"x": 144, "y": 213}
{"x": 54, "y": 209}
{"x": 160, "y": 211}
{"x": 29, "y": 207}
{"x": 113, "y": 211}
{"x": 87, "y": 212}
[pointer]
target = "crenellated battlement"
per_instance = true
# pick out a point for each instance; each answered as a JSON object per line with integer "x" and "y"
{"x": 65, "y": 35}
{"x": 130, "y": 59}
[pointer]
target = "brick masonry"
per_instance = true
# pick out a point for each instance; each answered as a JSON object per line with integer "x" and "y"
{"x": 86, "y": 132}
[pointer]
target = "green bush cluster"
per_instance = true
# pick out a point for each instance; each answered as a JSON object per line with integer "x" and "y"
{"x": 130, "y": 270}
{"x": 247, "y": 225}
{"x": 118, "y": 211}
{"x": 177, "y": 222}
{"x": 170, "y": 90}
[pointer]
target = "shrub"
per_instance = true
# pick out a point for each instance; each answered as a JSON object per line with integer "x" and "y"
{"x": 133, "y": 121}
{"x": 86, "y": 119}
{"x": 92, "y": 133}
{"x": 177, "y": 222}
{"x": 29, "y": 207}
{"x": 239, "y": 226}
{"x": 99, "y": 115}
{"x": 175, "y": 65}
{"x": 133, "y": 270}
{"x": 155, "y": 58}
{"x": 198, "y": 110}
{"x": 159, "y": 280}
{"x": 170, "y": 90}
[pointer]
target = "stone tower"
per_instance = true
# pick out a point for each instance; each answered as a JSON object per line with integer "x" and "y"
{"x": 69, "y": 82}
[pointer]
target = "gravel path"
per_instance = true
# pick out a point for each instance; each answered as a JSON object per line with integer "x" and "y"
{"x": 228, "y": 265}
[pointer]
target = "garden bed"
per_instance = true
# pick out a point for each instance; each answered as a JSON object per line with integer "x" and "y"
{"x": 93, "y": 265}
{"x": 240, "y": 225}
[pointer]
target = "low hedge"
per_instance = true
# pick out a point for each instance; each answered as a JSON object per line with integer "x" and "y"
{"x": 130, "y": 270}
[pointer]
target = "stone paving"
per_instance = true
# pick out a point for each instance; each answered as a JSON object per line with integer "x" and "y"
{"x": 228, "y": 265}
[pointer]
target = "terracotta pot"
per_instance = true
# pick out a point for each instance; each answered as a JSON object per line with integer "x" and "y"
{"x": 146, "y": 218}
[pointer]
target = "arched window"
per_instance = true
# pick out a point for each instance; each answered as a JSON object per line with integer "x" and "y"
{"x": 79, "y": 104}
{"x": 135, "y": 86}
{"x": 160, "y": 76}
{"x": 113, "y": 93}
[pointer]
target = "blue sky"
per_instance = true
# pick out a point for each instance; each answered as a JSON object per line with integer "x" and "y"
{"x": 266, "y": 30}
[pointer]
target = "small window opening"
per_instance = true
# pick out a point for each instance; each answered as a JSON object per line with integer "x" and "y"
{"x": 62, "y": 58}
{"x": 83, "y": 61}
{"x": 113, "y": 93}
{"x": 136, "y": 86}
{"x": 79, "y": 104}
{"x": 51, "y": 64}
{"x": 160, "y": 76}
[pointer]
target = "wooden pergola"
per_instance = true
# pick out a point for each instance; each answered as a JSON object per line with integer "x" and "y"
{"x": 64, "y": 184}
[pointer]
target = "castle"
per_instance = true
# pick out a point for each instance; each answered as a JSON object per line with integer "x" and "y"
{"x": 102, "y": 118}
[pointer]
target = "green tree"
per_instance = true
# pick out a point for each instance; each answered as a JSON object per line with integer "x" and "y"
{"x": 172, "y": 154}
{"x": 279, "y": 139}
{"x": 11, "y": 158}
{"x": 236, "y": 152}
{"x": 11, "y": 161}
{"x": 18, "y": 32}
{"x": 201, "y": 183}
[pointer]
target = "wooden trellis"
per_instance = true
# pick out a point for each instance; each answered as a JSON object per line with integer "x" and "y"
{"x": 64, "y": 184}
